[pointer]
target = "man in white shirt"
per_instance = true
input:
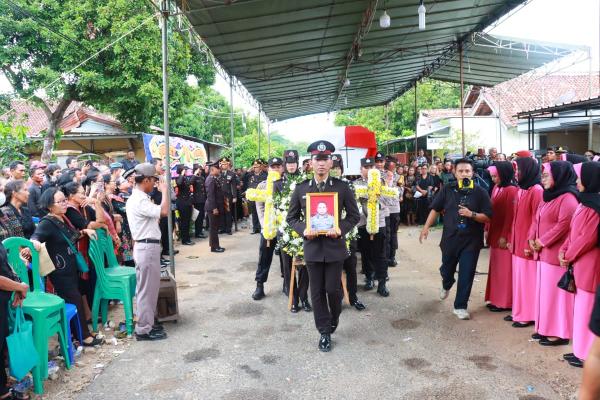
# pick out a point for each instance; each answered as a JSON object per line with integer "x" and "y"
{"x": 143, "y": 216}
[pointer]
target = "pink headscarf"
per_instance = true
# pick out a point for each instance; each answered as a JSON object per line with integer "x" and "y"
{"x": 547, "y": 167}
{"x": 577, "y": 168}
{"x": 493, "y": 170}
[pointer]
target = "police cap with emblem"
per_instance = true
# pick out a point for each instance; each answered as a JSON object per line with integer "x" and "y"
{"x": 290, "y": 156}
{"x": 257, "y": 162}
{"x": 321, "y": 149}
{"x": 224, "y": 160}
{"x": 275, "y": 161}
{"x": 379, "y": 156}
{"x": 365, "y": 162}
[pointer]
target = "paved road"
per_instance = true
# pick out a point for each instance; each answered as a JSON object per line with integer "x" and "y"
{"x": 408, "y": 346}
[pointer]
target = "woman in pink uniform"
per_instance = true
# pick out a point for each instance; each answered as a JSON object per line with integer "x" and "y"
{"x": 554, "y": 319}
{"x": 524, "y": 267}
{"x": 582, "y": 250}
{"x": 504, "y": 198}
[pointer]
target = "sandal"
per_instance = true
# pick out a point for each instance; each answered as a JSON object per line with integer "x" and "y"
{"x": 94, "y": 342}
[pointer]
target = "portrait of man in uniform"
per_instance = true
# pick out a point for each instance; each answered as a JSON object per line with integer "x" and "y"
{"x": 322, "y": 211}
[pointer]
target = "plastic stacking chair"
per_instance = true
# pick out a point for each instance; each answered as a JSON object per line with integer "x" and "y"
{"x": 111, "y": 260}
{"x": 111, "y": 283}
{"x": 71, "y": 312}
{"x": 47, "y": 311}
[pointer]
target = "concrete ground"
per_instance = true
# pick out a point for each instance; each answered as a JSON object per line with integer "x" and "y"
{"x": 406, "y": 346}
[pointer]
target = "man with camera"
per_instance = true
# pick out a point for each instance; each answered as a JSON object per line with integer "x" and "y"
{"x": 466, "y": 208}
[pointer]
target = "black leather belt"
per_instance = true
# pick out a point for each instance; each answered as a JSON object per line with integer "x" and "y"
{"x": 156, "y": 241}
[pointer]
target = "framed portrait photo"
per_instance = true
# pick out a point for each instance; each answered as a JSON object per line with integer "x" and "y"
{"x": 322, "y": 212}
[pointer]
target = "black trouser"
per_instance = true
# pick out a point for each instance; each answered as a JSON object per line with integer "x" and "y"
{"x": 213, "y": 230}
{"x": 467, "y": 261}
{"x": 164, "y": 233}
{"x": 393, "y": 241}
{"x": 185, "y": 217}
{"x": 227, "y": 219}
{"x": 372, "y": 253}
{"x": 300, "y": 284}
{"x": 326, "y": 292}
{"x": 255, "y": 221}
{"x": 422, "y": 210}
{"x": 3, "y": 334}
{"x": 350, "y": 268}
{"x": 199, "y": 223}
{"x": 265, "y": 257}
{"x": 71, "y": 294}
{"x": 387, "y": 244}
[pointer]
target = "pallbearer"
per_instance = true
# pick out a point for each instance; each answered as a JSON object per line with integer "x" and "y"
{"x": 324, "y": 254}
{"x": 396, "y": 181}
{"x": 504, "y": 198}
{"x": 351, "y": 242}
{"x": 582, "y": 251}
{"x": 554, "y": 307}
{"x": 524, "y": 266}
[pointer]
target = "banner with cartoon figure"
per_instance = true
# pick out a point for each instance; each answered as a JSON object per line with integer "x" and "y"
{"x": 182, "y": 151}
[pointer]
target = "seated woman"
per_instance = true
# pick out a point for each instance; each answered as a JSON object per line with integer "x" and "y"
{"x": 9, "y": 283}
{"x": 118, "y": 201}
{"x": 59, "y": 234}
{"x": 15, "y": 214}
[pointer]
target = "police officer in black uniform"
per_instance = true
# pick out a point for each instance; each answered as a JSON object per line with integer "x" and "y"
{"x": 256, "y": 176}
{"x": 324, "y": 255}
{"x": 184, "y": 203}
{"x": 300, "y": 297}
{"x": 351, "y": 261}
{"x": 199, "y": 199}
{"x": 215, "y": 200}
{"x": 229, "y": 184}
{"x": 266, "y": 247}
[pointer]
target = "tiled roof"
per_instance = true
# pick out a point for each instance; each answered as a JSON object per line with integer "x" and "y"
{"x": 529, "y": 92}
{"x": 35, "y": 120}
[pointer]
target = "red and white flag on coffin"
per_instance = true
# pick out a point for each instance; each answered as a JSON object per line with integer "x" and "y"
{"x": 353, "y": 143}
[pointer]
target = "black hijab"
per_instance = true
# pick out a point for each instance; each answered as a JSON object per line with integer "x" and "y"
{"x": 529, "y": 172}
{"x": 565, "y": 180}
{"x": 576, "y": 158}
{"x": 590, "y": 179}
{"x": 506, "y": 173}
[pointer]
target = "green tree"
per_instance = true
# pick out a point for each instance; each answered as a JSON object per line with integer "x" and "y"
{"x": 398, "y": 118}
{"x": 42, "y": 39}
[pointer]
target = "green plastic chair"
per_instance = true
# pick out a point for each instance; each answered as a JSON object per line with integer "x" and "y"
{"x": 111, "y": 283}
{"x": 110, "y": 258}
{"x": 47, "y": 311}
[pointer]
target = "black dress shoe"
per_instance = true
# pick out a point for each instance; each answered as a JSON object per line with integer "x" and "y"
{"x": 254, "y": 232}
{"x": 569, "y": 356}
{"x": 358, "y": 305}
{"x": 152, "y": 335}
{"x": 392, "y": 263}
{"x": 295, "y": 308}
{"x": 229, "y": 233}
{"x": 217, "y": 250}
{"x": 188, "y": 243}
{"x": 221, "y": 231}
{"x": 306, "y": 306}
{"x": 537, "y": 336}
{"x": 201, "y": 236}
{"x": 557, "y": 342}
{"x": 493, "y": 308}
{"x": 334, "y": 324}
{"x": 522, "y": 324}
{"x": 325, "y": 342}
{"x": 369, "y": 285}
{"x": 158, "y": 327}
{"x": 508, "y": 318}
{"x": 576, "y": 362}
{"x": 382, "y": 289}
{"x": 259, "y": 293}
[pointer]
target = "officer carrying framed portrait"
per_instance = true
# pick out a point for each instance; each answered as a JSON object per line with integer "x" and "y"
{"x": 322, "y": 211}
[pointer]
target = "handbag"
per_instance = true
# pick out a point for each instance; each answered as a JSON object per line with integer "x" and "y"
{"x": 21, "y": 350}
{"x": 81, "y": 264}
{"x": 195, "y": 214}
{"x": 567, "y": 281}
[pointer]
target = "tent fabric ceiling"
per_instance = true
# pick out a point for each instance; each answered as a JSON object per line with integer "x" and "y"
{"x": 293, "y": 56}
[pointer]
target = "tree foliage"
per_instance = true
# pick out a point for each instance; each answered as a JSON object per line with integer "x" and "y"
{"x": 398, "y": 118}
{"x": 42, "y": 39}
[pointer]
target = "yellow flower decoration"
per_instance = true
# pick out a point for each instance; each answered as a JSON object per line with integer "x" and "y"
{"x": 269, "y": 229}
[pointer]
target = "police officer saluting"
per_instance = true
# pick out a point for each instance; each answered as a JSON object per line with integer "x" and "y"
{"x": 324, "y": 255}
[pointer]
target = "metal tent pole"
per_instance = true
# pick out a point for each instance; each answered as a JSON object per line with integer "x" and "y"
{"x": 268, "y": 139}
{"x": 259, "y": 110}
{"x": 234, "y": 205}
{"x": 462, "y": 108}
{"x": 165, "y": 77}
{"x": 416, "y": 124}
{"x": 590, "y": 123}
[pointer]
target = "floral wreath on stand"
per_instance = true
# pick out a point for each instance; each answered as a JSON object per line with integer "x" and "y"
{"x": 290, "y": 241}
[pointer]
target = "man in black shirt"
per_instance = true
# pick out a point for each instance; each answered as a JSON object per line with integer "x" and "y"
{"x": 256, "y": 177}
{"x": 590, "y": 387}
{"x": 467, "y": 208}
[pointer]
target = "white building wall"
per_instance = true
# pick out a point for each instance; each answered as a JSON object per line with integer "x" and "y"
{"x": 487, "y": 132}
